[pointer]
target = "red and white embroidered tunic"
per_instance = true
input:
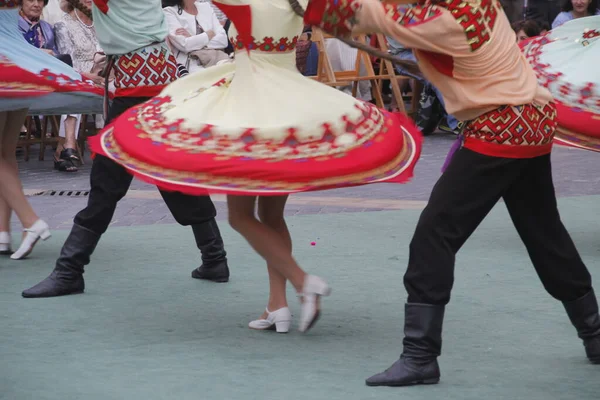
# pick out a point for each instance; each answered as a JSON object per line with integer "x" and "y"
{"x": 466, "y": 49}
{"x": 135, "y": 31}
{"x": 257, "y": 126}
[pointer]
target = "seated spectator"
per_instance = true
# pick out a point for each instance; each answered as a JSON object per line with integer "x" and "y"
{"x": 195, "y": 33}
{"x": 526, "y": 29}
{"x": 37, "y": 32}
{"x": 573, "y": 9}
{"x": 76, "y": 36}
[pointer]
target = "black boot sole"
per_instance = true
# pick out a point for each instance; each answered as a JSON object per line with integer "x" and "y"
{"x": 431, "y": 381}
{"x": 45, "y": 296}
{"x": 216, "y": 279}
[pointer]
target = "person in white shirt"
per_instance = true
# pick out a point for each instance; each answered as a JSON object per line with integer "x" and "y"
{"x": 196, "y": 35}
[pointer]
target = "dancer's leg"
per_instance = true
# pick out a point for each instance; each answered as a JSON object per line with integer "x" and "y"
{"x": 273, "y": 248}
{"x": 460, "y": 200}
{"x": 199, "y": 212}
{"x": 265, "y": 240}
{"x": 531, "y": 202}
{"x": 11, "y": 189}
{"x": 270, "y": 213}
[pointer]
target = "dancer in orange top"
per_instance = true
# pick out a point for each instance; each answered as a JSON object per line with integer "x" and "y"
{"x": 466, "y": 48}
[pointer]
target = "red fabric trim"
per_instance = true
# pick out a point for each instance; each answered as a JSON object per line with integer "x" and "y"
{"x": 313, "y": 15}
{"x": 142, "y": 91}
{"x": 102, "y": 5}
{"x": 241, "y": 17}
{"x": 506, "y": 150}
{"x": 578, "y": 120}
{"x": 155, "y": 163}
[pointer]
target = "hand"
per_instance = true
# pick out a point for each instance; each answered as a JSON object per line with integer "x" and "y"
{"x": 48, "y": 51}
{"x": 182, "y": 32}
{"x": 97, "y": 79}
{"x": 211, "y": 34}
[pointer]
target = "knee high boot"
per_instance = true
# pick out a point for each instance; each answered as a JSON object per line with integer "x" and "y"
{"x": 67, "y": 276}
{"x": 214, "y": 258}
{"x": 583, "y": 314}
{"x": 422, "y": 345}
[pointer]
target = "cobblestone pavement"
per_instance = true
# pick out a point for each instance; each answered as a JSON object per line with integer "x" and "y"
{"x": 575, "y": 174}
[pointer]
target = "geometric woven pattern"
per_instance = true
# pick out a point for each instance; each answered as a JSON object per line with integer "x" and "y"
{"x": 153, "y": 66}
{"x": 525, "y": 125}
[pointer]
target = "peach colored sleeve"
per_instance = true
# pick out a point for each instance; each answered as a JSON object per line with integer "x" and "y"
{"x": 429, "y": 28}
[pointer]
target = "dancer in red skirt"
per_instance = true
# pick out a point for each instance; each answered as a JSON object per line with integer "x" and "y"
{"x": 257, "y": 130}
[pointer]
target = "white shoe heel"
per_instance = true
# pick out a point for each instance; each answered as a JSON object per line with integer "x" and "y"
{"x": 39, "y": 230}
{"x": 5, "y": 243}
{"x": 314, "y": 287}
{"x": 280, "y": 320}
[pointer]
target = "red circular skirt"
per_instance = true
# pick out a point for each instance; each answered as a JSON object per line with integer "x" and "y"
{"x": 17, "y": 82}
{"x": 388, "y": 153}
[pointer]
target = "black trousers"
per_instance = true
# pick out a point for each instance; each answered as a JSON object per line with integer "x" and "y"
{"x": 110, "y": 182}
{"x": 466, "y": 192}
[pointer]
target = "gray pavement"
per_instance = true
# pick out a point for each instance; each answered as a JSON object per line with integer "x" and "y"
{"x": 575, "y": 174}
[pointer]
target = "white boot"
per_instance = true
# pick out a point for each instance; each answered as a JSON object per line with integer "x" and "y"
{"x": 39, "y": 230}
{"x": 280, "y": 320}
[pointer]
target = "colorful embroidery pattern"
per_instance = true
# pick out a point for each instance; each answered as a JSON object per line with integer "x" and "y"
{"x": 44, "y": 81}
{"x": 477, "y": 21}
{"x": 340, "y": 16}
{"x": 585, "y": 96}
{"x": 327, "y": 143}
{"x": 412, "y": 15}
{"x": 153, "y": 65}
{"x": 525, "y": 125}
{"x": 267, "y": 44}
{"x": 390, "y": 169}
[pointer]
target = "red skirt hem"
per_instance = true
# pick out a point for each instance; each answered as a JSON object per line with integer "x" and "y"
{"x": 397, "y": 169}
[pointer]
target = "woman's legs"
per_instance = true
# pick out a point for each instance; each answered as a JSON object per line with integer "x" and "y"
{"x": 264, "y": 239}
{"x": 273, "y": 244}
{"x": 270, "y": 213}
{"x": 11, "y": 190}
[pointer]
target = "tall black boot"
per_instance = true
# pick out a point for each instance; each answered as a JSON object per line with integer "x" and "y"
{"x": 583, "y": 314}
{"x": 214, "y": 258}
{"x": 422, "y": 345}
{"x": 67, "y": 277}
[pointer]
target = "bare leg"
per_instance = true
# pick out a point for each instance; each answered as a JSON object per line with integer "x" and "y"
{"x": 270, "y": 212}
{"x": 11, "y": 189}
{"x": 70, "y": 128}
{"x": 265, "y": 240}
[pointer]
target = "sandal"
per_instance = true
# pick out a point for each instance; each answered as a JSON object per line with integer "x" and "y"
{"x": 70, "y": 154}
{"x": 64, "y": 164}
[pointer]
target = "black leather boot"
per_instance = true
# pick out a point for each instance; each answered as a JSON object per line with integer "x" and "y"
{"x": 422, "y": 345}
{"x": 67, "y": 277}
{"x": 214, "y": 258}
{"x": 583, "y": 314}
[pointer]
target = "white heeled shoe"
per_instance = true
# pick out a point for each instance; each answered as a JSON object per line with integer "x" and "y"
{"x": 280, "y": 320}
{"x": 314, "y": 287}
{"x": 39, "y": 230}
{"x": 5, "y": 243}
